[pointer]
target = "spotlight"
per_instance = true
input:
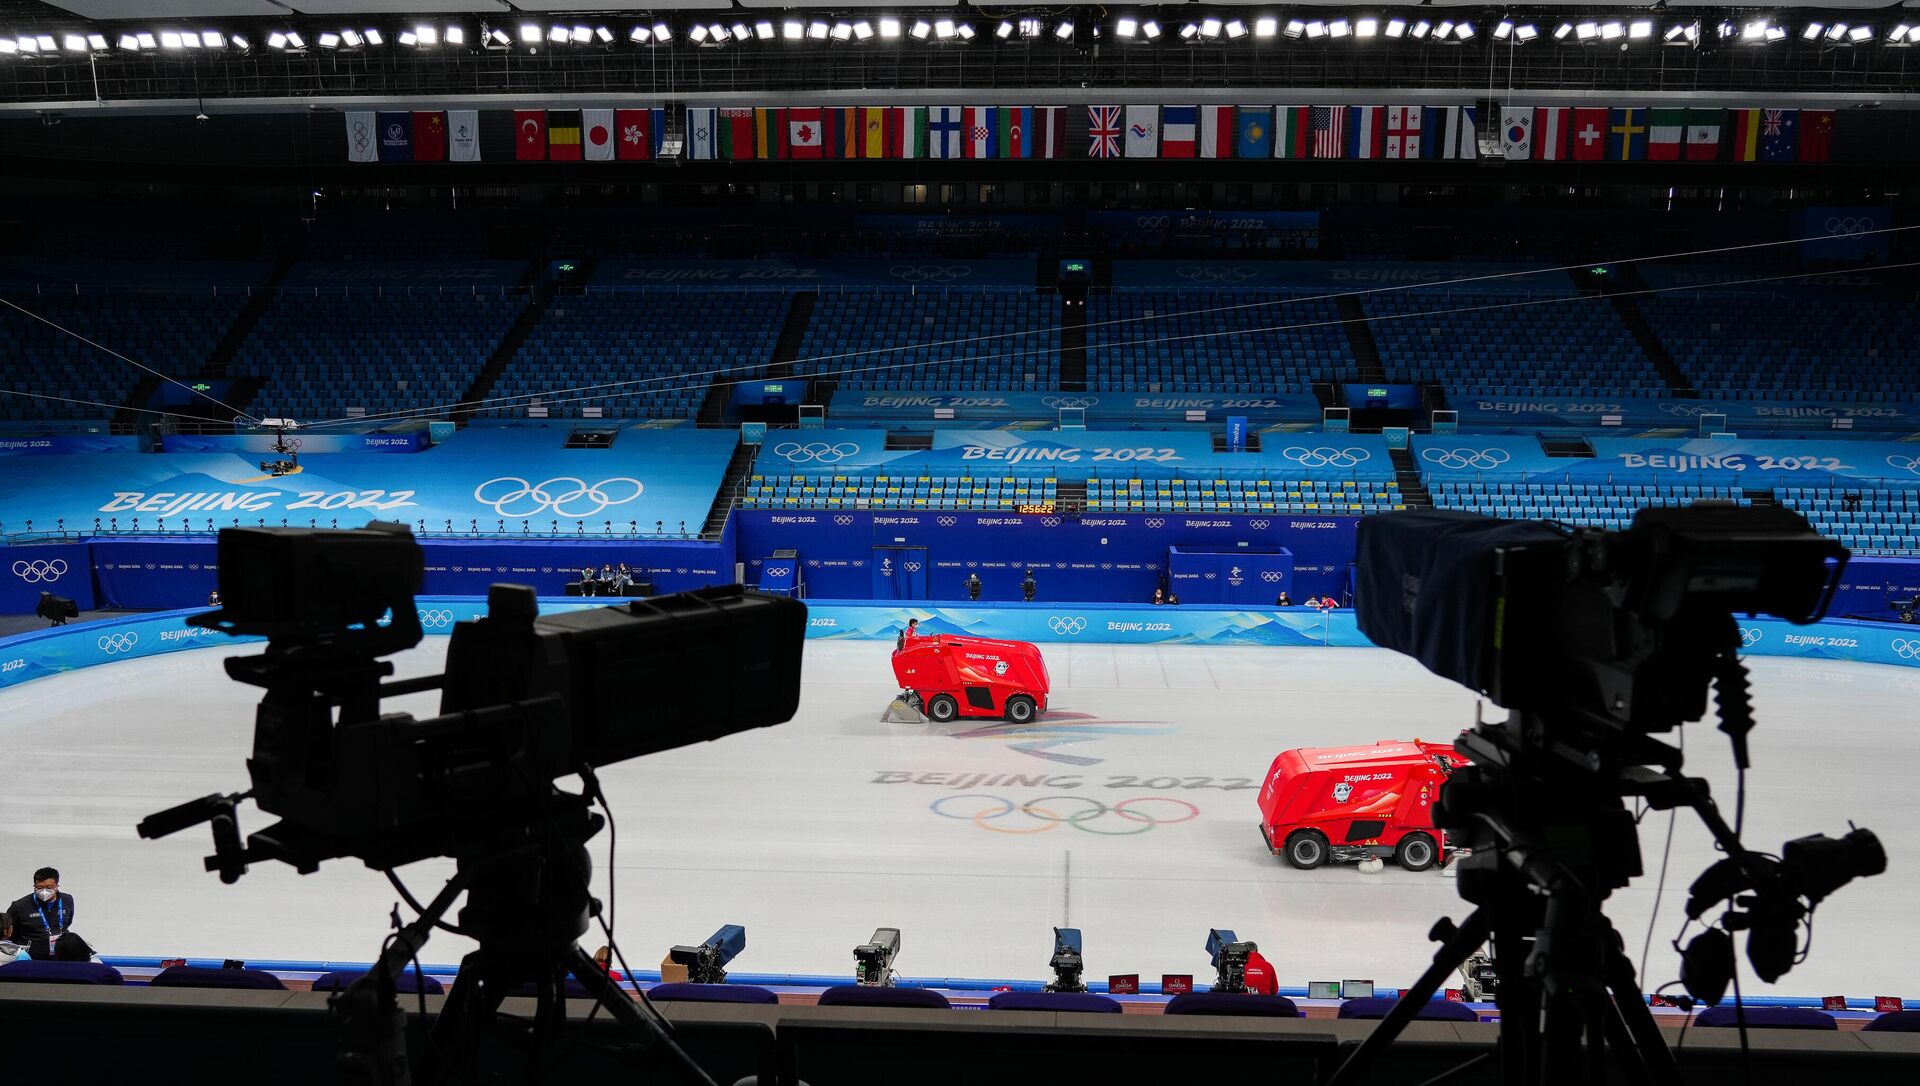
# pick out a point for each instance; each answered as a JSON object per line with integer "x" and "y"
{"x": 1396, "y": 28}
{"x": 558, "y": 35}
{"x": 1316, "y": 29}
{"x": 1502, "y": 31}
{"x": 817, "y": 30}
{"x": 889, "y": 28}
{"x": 1775, "y": 34}
{"x": 1859, "y": 34}
{"x": 408, "y": 37}
{"x": 1419, "y": 29}
{"x": 1464, "y": 31}
{"x": 496, "y": 38}
{"x": 1124, "y": 29}
{"x": 75, "y": 43}
{"x": 698, "y": 35}
{"x": 862, "y": 30}
{"x": 874, "y": 961}
{"x": 1526, "y": 32}
{"x": 1235, "y": 29}
{"x": 1366, "y": 28}
{"x": 1754, "y": 31}
{"x": 793, "y": 30}
{"x": 706, "y": 963}
{"x": 530, "y": 33}
{"x": 1640, "y": 29}
{"x": 943, "y": 29}
{"x": 1445, "y": 28}
{"x": 1611, "y": 31}
{"x": 169, "y": 39}
{"x": 921, "y": 29}
{"x": 600, "y": 33}
{"x": 146, "y": 41}
{"x": 1835, "y": 31}
{"x": 1189, "y": 32}
{"x": 1811, "y": 32}
{"x": 1560, "y": 32}
{"x": 1339, "y": 28}
{"x": 1266, "y": 27}
{"x": 1005, "y": 31}
{"x": 1209, "y": 28}
{"x": 429, "y": 36}
{"x": 457, "y": 35}
{"x": 720, "y": 33}
{"x": 127, "y": 42}
{"x": 1899, "y": 32}
{"x": 1587, "y": 31}
{"x": 965, "y": 30}
{"x": 1064, "y": 31}
{"x": 44, "y": 42}
{"x": 275, "y": 40}
{"x": 581, "y": 35}
{"x": 763, "y": 30}
{"x": 1150, "y": 30}
{"x": 329, "y": 40}
{"x": 842, "y": 32}
{"x": 1295, "y": 28}
{"x": 1673, "y": 32}
{"x": 639, "y": 35}
{"x": 662, "y": 34}
{"x": 352, "y": 38}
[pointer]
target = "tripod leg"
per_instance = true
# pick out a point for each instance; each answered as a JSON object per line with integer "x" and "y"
{"x": 1655, "y": 1056}
{"x": 1455, "y": 950}
{"x": 620, "y": 1004}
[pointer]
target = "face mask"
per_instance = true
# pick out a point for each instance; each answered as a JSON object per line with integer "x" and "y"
{"x": 44, "y": 895}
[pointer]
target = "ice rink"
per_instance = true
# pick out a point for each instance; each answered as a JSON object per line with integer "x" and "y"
{"x": 816, "y": 832}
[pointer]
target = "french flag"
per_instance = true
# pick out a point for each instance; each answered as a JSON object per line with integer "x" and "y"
{"x": 1178, "y": 131}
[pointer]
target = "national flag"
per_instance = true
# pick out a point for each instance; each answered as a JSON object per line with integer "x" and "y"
{"x": 1816, "y": 135}
{"x": 1779, "y": 134}
{"x": 803, "y": 133}
{"x": 1253, "y": 132}
{"x": 396, "y": 137}
{"x": 563, "y": 135}
{"x": 430, "y": 137}
{"x": 1403, "y": 132}
{"x": 1552, "y": 129}
{"x": 1016, "y": 131}
{"x": 530, "y": 135}
{"x": 1703, "y": 135}
{"x": 703, "y": 134}
{"x": 463, "y": 135}
{"x": 1666, "y": 132}
{"x": 853, "y": 134}
{"x": 1366, "y": 132}
{"x": 1627, "y": 135}
{"x": 637, "y": 134}
{"x": 904, "y": 124}
{"x": 1589, "y": 135}
{"x": 982, "y": 133}
{"x": 1294, "y": 134}
{"x": 1103, "y": 131}
{"x": 1746, "y": 135}
{"x": 363, "y": 140}
{"x": 1179, "y": 135}
{"x": 1216, "y": 132}
{"x": 873, "y": 132}
{"x": 1516, "y": 132}
{"x": 1143, "y": 131}
{"x": 1329, "y": 127}
{"x": 1449, "y": 133}
{"x": 770, "y": 127}
{"x": 734, "y": 134}
{"x": 944, "y": 131}
{"x": 1049, "y": 132}
{"x": 833, "y": 134}
{"x": 597, "y": 131}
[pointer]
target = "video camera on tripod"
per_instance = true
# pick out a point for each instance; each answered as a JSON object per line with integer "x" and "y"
{"x": 526, "y": 699}
{"x": 1229, "y": 956}
{"x": 1596, "y": 641}
{"x": 707, "y": 963}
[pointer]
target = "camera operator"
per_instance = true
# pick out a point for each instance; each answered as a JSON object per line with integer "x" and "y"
{"x": 1028, "y": 588}
{"x": 40, "y": 922}
{"x": 1259, "y": 975}
{"x": 973, "y": 586}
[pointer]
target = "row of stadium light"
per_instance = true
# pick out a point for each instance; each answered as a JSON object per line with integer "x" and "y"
{"x": 1125, "y": 29}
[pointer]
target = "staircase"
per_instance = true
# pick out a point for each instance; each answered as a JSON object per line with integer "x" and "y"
{"x": 1759, "y": 497}
{"x": 792, "y": 334}
{"x": 1070, "y": 497}
{"x": 510, "y": 344}
{"x": 732, "y": 489}
{"x": 1413, "y": 493}
{"x": 1360, "y": 339}
{"x": 1625, "y": 280}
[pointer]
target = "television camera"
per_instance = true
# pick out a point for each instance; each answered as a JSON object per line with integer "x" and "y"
{"x": 1066, "y": 962}
{"x": 706, "y": 963}
{"x": 873, "y": 960}
{"x": 1229, "y": 956}
{"x": 1596, "y": 642}
{"x": 525, "y": 699}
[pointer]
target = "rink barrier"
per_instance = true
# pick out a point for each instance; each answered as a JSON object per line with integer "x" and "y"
{"x": 24, "y": 657}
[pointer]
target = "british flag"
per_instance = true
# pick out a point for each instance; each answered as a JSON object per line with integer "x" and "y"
{"x": 1103, "y": 131}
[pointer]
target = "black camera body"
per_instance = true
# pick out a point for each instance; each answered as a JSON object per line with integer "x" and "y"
{"x": 1066, "y": 962}
{"x": 873, "y": 960}
{"x": 1229, "y": 954}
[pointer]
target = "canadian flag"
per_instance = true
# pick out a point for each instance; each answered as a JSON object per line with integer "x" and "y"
{"x": 803, "y": 133}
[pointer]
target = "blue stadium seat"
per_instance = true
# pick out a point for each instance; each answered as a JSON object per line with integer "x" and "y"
{"x": 1831, "y": 345}
{"x": 894, "y": 338}
{"x": 173, "y": 333}
{"x": 1214, "y": 341}
{"x": 1480, "y": 343}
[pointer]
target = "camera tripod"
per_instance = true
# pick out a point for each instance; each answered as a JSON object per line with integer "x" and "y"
{"x": 527, "y": 904}
{"x": 1551, "y": 839}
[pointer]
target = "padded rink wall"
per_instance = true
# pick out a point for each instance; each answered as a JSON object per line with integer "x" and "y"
{"x": 25, "y": 657}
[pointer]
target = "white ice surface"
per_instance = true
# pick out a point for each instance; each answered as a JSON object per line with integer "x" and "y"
{"x": 790, "y": 831}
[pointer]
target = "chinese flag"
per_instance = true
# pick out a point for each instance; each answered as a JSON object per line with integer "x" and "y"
{"x": 1816, "y": 135}
{"x": 530, "y": 135}
{"x": 429, "y": 137}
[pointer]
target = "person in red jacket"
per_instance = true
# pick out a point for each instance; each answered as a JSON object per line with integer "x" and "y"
{"x": 1259, "y": 975}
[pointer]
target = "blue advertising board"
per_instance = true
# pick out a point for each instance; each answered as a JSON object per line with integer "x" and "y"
{"x": 1243, "y": 578}
{"x": 1097, "y": 556}
{"x": 1547, "y": 411}
{"x": 1649, "y": 460}
{"x": 310, "y": 444}
{"x": 63, "y": 569}
{"x": 1338, "y": 277}
{"x": 1076, "y": 455}
{"x": 167, "y": 275}
{"x": 487, "y": 480}
{"x": 53, "y": 444}
{"x": 1102, "y": 408}
{"x": 916, "y": 272}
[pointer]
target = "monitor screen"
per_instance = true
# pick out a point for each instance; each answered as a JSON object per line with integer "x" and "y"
{"x": 1356, "y": 989}
{"x": 1323, "y": 989}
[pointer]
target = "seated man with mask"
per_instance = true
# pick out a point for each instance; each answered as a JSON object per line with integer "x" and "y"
{"x": 41, "y": 922}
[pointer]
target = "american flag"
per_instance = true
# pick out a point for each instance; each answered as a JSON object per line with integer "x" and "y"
{"x": 1329, "y": 127}
{"x": 1103, "y": 131}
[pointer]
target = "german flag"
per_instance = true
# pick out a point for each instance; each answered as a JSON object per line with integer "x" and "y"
{"x": 563, "y": 135}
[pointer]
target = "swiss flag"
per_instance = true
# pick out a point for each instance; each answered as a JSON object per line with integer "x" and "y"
{"x": 803, "y": 133}
{"x": 1589, "y": 135}
{"x": 530, "y": 135}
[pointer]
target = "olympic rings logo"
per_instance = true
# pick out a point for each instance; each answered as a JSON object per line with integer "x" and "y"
{"x": 779, "y": 571}
{"x": 1687, "y": 410}
{"x": 1749, "y": 637}
{"x": 1066, "y": 625}
{"x": 1850, "y": 224}
{"x": 843, "y": 519}
{"x": 1135, "y": 815}
{"x": 40, "y": 569}
{"x": 946, "y": 522}
{"x": 1259, "y": 525}
{"x": 436, "y": 618}
{"x": 1156, "y": 522}
{"x": 1272, "y": 576}
{"x": 815, "y": 452}
{"x": 913, "y": 567}
{"x": 1466, "y": 458}
{"x": 116, "y": 643}
{"x": 1910, "y": 464}
{"x": 1214, "y": 273}
{"x": 1905, "y": 649}
{"x": 1070, "y": 401}
{"x": 929, "y": 273}
{"x": 1324, "y": 457}
{"x": 1151, "y": 222}
{"x": 556, "y": 495}
{"x": 1049, "y": 522}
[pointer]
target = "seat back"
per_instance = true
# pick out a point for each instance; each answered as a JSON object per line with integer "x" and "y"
{"x": 1895, "y": 1022}
{"x": 1766, "y": 1018}
{"x": 1236, "y": 1004}
{"x": 1433, "y": 1010}
{"x": 711, "y": 993}
{"x": 409, "y": 982}
{"x": 1064, "y": 1002}
{"x": 194, "y": 976}
{"x": 866, "y": 995}
{"x": 32, "y": 972}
